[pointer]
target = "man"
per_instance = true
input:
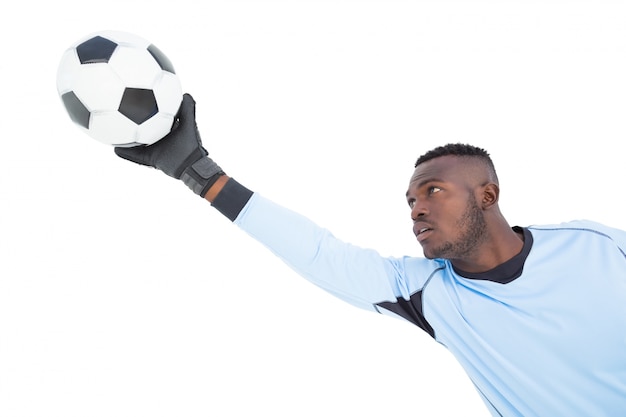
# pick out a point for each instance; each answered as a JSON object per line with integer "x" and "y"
{"x": 535, "y": 315}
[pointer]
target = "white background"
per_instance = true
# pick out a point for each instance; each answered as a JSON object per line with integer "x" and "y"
{"x": 123, "y": 294}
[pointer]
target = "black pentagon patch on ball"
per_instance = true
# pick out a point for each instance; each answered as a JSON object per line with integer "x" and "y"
{"x": 161, "y": 59}
{"x": 76, "y": 109}
{"x": 95, "y": 50}
{"x": 138, "y": 104}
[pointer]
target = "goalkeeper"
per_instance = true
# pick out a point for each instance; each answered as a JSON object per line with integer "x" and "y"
{"x": 535, "y": 315}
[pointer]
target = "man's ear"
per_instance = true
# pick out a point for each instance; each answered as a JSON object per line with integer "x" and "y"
{"x": 490, "y": 195}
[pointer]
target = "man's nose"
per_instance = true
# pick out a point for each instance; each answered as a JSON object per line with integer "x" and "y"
{"x": 418, "y": 211}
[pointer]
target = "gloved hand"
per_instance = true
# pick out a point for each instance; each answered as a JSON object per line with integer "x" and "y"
{"x": 180, "y": 153}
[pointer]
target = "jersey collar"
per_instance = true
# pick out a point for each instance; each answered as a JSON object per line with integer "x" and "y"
{"x": 508, "y": 271}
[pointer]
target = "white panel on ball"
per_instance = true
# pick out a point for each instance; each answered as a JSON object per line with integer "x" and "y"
{"x": 113, "y": 128}
{"x": 168, "y": 91}
{"x": 137, "y": 70}
{"x": 98, "y": 87}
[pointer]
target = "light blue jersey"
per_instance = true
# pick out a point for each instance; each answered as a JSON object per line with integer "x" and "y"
{"x": 542, "y": 335}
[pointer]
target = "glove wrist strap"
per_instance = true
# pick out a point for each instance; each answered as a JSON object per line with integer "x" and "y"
{"x": 201, "y": 175}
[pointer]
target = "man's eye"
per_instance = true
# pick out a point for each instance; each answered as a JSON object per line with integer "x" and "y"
{"x": 433, "y": 190}
{"x": 411, "y": 203}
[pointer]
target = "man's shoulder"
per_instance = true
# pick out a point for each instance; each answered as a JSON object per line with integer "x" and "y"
{"x": 570, "y": 225}
{"x": 581, "y": 227}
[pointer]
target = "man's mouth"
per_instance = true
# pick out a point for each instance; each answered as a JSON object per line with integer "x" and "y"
{"x": 421, "y": 232}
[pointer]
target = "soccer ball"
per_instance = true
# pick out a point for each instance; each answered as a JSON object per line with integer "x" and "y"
{"x": 119, "y": 88}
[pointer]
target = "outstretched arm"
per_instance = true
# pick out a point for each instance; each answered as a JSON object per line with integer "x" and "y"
{"x": 357, "y": 275}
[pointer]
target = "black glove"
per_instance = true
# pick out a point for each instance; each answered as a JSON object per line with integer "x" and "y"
{"x": 180, "y": 153}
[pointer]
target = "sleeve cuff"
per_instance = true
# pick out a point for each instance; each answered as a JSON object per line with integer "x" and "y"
{"x": 232, "y": 199}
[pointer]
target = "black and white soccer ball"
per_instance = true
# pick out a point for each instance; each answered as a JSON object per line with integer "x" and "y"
{"x": 119, "y": 88}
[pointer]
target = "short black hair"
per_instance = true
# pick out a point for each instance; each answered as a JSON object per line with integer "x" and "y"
{"x": 459, "y": 149}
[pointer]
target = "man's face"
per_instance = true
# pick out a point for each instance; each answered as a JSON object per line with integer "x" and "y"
{"x": 447, "y": 220}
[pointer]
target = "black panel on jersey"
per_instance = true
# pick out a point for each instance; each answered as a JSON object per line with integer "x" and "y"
{"x": 410, "y": 310}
